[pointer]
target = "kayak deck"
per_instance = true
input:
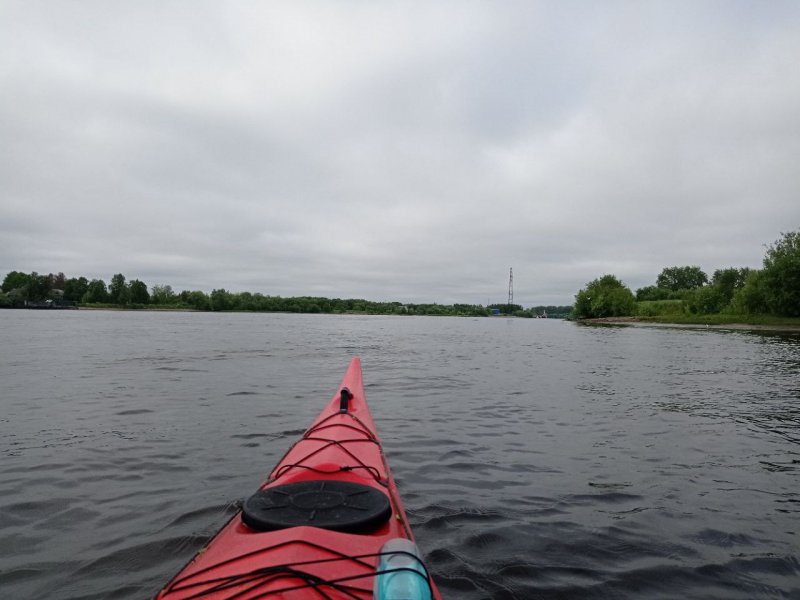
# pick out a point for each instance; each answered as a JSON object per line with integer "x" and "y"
{"x": 316, "y": 527}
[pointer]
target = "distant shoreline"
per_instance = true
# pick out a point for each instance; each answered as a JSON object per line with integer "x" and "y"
{"x": 278, "y": 312}
{"x": 289, "y": 312}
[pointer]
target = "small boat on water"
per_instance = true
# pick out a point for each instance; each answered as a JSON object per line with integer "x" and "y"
{"x": 327, "y": 524}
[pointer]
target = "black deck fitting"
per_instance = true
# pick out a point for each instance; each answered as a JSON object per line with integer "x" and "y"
{"x": 344, "y": 400}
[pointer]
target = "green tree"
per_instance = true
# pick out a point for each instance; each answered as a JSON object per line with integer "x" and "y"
{"x": 137, "y": 292}
{"x": 118, "y": 290}
{"x": 162, "y": 294}
{"x": 652, "y": 292}
{"x": 728, "y": 281}
{"x": 716, "y": 296}
{"x": 196, "y": 299}
{"x": 752, "y": 297}
{"x": 244, "y": 301}
{"x": 39, "y": 286}
{"x": 681, "y": 278}
{"x": 75, "y": 288}
{"x": 57, "y": 282}
{"x": 781, "y": 275}
{"x": 221, "y": 300}
{"x": 15, "y": 280}
{"x": 96, "y": 292}
{"x": 604, "y": 297}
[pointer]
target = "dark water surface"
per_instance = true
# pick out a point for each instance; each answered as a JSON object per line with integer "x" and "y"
{"x": 536, "y": 458}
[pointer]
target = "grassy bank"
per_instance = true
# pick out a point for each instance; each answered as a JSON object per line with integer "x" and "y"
{"x": 675, "y": 311}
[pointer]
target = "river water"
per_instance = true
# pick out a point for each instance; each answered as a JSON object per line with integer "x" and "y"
{"x": 536, "y": 458}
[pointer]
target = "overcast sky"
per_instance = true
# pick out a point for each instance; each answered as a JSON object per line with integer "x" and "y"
{"x": 408, "y": 151}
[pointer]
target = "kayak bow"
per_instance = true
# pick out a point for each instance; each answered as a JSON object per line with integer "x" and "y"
{"x": 327, "y": 524}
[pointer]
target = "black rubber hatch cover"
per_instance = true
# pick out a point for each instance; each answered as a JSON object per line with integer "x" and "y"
{"x": 336, "y": 505}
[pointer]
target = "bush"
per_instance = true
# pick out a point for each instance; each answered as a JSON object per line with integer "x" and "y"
{"x": 659, "y": 308}
{"x": 751, "y": 299}
{"x": 652, "y": 293}
{"x": 706, "y": 300}
{"x": 604, "y": 297}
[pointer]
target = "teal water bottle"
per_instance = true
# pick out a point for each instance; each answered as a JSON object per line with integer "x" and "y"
{"x": 401, "y": 575}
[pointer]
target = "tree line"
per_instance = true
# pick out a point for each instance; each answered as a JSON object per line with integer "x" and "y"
{"x": 772, "y": 290}
{"x": 25, "y": 289}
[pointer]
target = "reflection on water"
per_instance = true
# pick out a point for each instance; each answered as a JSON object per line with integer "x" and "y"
{"x": 536, "y": 458}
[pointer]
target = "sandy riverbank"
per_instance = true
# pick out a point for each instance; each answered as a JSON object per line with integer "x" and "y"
{"x": 636, "y": 321}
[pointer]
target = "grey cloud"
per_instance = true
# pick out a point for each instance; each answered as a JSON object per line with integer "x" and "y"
{"x": 401, "y": 151}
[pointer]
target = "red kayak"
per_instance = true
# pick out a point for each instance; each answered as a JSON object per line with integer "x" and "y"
{"x": 327, "y": 524}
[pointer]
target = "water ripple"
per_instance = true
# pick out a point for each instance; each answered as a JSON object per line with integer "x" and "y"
{"x": 537, "y": 459}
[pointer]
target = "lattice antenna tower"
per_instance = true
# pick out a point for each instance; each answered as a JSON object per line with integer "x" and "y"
{"x": 510, "y": 286}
